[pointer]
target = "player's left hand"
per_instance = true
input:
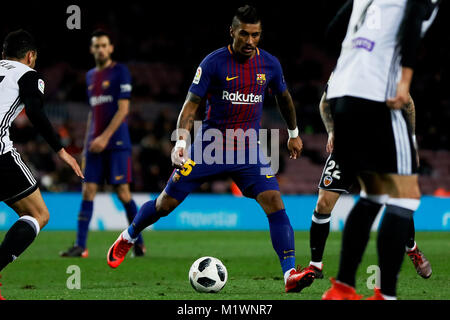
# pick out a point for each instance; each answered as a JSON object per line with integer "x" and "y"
{"x": 178, "y": 157}
{"x": 295, "y": 146}
{"x": 98, "y": 144}
{"x": 402, "y": 97}
{"x": 67, "y": 158}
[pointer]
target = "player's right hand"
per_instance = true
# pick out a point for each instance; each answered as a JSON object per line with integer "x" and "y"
{"x": 295, "y": 147}
{"x": 67, "y": 158}
{"x": 330, "y": 142}
{"x": 178, "y": 157}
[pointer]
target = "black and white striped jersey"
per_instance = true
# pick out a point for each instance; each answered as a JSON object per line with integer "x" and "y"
{"x": 369, "y": 65}
{"x": 12, "y": 76}
{"x": 22, "y": 87}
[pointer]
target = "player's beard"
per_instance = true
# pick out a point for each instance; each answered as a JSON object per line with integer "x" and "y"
{"x": 102, "y": 61}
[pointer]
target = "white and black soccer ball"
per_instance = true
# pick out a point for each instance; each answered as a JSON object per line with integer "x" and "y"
{"x": 208, "y": 274}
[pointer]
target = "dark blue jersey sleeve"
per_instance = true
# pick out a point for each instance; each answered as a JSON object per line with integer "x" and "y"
{"x": 202, "y": 78}
{"x": 125, "y": 83}
{"x": 277, "y": 83}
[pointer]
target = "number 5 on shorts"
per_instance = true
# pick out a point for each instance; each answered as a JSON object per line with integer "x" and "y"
{"x": 187, "y": 167}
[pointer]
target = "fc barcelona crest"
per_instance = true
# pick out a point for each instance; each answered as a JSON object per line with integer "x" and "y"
{"x": 327, "y": 181}
{"x": 105, "y": 84}
{"x": 261, "y": 78}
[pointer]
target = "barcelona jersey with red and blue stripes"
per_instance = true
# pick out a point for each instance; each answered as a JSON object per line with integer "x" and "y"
{"x": 235, "y": 90}
{"x": 104, "y": 89}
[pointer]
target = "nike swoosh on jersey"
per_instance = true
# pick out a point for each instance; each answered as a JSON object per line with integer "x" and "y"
{"x": 268, "y": 177}
{"x": 232, "y": 78}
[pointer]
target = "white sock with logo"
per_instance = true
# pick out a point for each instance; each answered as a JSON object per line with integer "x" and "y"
{"x": 127, "y": 236}
{"x": 287, "y": 274}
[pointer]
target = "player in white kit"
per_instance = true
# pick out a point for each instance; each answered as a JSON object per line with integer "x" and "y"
{"x": 373, "y": 140}
{"x": 22, "y": 87}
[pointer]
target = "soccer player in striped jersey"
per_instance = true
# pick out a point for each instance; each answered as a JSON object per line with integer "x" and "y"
{"x": 22, "y": 87}
{"x": 107, "y": 150}
{"x": 233, "y": 79}
{"x": 335, "y": 182}
{"x": 372, "y": 139}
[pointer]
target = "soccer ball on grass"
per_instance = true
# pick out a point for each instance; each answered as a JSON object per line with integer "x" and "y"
{"x": 208, "y": 274}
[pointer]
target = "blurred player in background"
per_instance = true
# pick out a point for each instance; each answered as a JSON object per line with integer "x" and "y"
{"x": 234, "y": 80}
{"x": 107, "y": 150}
{"x": 22, "y": 87}
{"x": 333, "y": 183}
{"x": 372, "y": 139}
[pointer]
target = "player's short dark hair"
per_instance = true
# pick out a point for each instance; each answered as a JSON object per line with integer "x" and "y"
{"x": 245, "y": 14}
{"x": 102, "y": 33}
{"x": 18, "y": 43}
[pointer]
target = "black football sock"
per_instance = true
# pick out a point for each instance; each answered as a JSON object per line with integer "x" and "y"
{"x": 355, "y": 237}
{"x": 410, "y": 243}
{"x": 17, "y": 239}
{"x": 318, "y": 234}
{"x": 392, "y": 237}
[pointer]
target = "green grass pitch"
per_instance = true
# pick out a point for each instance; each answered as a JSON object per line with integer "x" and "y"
{"x": 253, "y": 268}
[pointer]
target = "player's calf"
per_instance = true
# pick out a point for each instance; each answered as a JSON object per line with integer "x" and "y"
{"x": 17, "y": 239}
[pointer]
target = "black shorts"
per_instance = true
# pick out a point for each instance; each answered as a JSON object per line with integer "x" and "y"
{"x": 16, "y": 178}
{"x": 370, "y": 137}
{"x": 334, "y": 179}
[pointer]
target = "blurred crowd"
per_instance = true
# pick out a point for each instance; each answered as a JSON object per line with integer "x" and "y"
{"x": 162, "y": 59}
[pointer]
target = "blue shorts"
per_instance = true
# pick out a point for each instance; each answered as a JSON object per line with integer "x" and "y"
{"x": 251, "y": 178}
{"x": 110, "y": 166}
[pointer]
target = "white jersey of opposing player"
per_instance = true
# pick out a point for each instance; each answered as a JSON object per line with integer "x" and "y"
{"x": 369, "y": 64}
{"x": 10, "y": 104}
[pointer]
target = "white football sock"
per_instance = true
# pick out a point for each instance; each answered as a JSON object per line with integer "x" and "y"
{"x": 286, "y": 274}
{"x": 127, "y": 236}
{"x": 316, "y": 264}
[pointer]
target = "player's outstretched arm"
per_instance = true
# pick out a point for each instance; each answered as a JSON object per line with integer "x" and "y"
{"x": 327, "y": 119}
{"x": 287, "y": 110}
{"x": 67, "y": 158}
{"x": 184, "y": 125}
{"x": 32, "y": 97}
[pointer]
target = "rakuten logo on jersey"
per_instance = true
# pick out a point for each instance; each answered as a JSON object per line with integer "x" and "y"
{"x": 241, "y": 98}
{"x": 97, "y": 100}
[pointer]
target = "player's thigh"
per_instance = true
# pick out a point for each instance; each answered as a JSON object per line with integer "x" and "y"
{"x": 189, "y": 178}
{"x": 334, "y": 178}
{"x": 16, "y": 178}
{"x": 254, "y": 178}
{"x": 270, "y": 201}
{"x": 118, "y": 164}
{"x": 32, "y": 205}
{"x": 363, "y": 137}
{"x": 396, "y": 186}
{"x": 326, "y": 201}
{"x": 370, "y": 137}
{"x": 93, "y": 167}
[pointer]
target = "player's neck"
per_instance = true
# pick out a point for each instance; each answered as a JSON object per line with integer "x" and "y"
{"x": 23, "y": 61}
{"x": 240, "y": 57}
{"x": 100, "y": 66}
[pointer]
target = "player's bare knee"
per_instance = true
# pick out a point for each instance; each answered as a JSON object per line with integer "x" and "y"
{"x": 89, "y": 191}
{"x": 41, "y": 214}
{"x": 165, "y": 204}
{"x": 270, "y": 201}
{"x": 324, "y": 206}
{"x": 123, "y": 193}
